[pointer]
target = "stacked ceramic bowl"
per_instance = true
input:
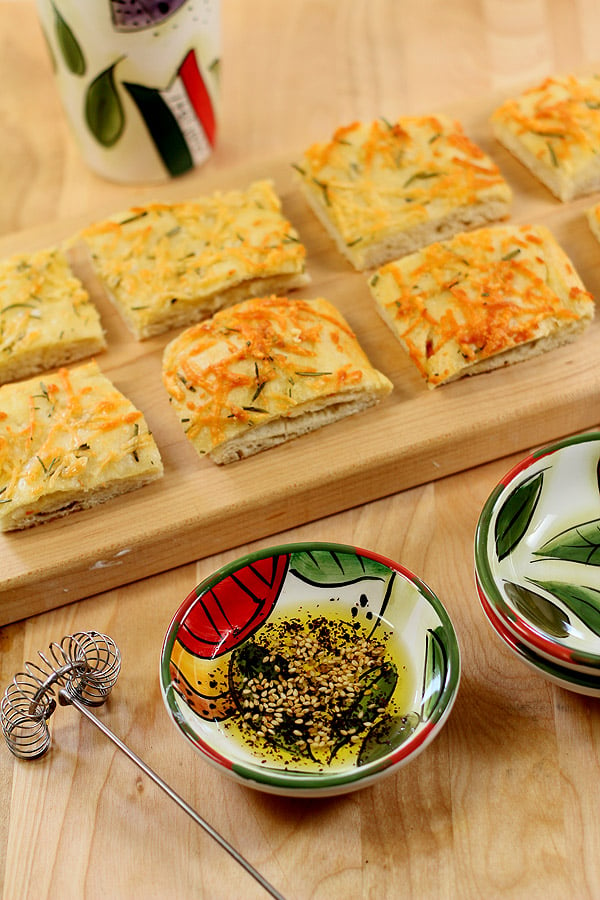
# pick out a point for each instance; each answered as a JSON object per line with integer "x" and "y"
{"x": 537, "y": 562}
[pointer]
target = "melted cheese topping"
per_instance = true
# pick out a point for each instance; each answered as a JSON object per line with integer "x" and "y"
{"x": 67, "y": 435}
{"x": 158, "y": 255}
{"x": 479, "y": 294}
{"x": 260, "y": 360}
{"x": 43, "y": 308}
{"x": 372, "y": 180}
{"x": 558, "y": 121}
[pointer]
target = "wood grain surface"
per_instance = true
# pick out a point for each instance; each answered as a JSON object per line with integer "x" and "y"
{"x": 504, "y": 803}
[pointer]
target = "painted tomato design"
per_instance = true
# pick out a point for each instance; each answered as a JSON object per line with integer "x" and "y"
{"x": 215, "y": 623}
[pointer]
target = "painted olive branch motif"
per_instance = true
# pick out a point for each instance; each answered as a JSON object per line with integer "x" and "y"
{"x": 103, "y": 108}
{"x": 69, "y": 46}
{"x": 579, "y": 544}
{"x": 516, "y": 514}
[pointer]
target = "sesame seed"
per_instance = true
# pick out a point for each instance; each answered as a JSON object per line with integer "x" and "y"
{"x": 310, "y": 694}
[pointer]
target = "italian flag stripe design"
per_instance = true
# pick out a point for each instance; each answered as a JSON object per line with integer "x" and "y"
{"x": 180, "y": 118}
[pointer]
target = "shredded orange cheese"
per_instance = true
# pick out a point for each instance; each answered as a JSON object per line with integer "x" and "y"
{"x": 477, "y": 295}
{"x": 158, "y": 259}
{"x": 260, "y": 360}
{"x": 372, "y": 180}
{"x": 557, "y": 120}
{"x": 66, "y": 435}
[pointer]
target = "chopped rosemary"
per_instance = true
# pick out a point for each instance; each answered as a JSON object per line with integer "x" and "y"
{"x": 312, "y": 374}
{"x": 299, "y": 169}
{"x": 51, "y": 468}
{"x": 325, "y": 188}
{"x": 43, "y": 392}
{"x": 552, "y": 153}
{"x": 550, "y": 134}
{"x": 511, "y": 255}
{"x": 421, "y": 176}
{"x": 259, "y": 388}
{"x": 136, "y": 431}
{"x": 135, "y": 217}
{"x": 17, "y": 306}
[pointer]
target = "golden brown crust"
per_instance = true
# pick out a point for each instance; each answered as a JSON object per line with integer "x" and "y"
{"x": 265, "y": 370}
{"x": 383, "y": 190}
{"x": 168, "y": 265}
{"x": 553, "y": 128}
{"x": 46, "y": 316}
{"x": 482, "y": 299}
{"x": 69, "y": 441}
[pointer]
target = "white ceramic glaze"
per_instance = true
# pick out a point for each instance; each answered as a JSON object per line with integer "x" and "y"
{"x": 537, "y": 553}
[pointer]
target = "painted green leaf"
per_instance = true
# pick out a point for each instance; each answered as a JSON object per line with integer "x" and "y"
{"x": 387, "y": 735}
{"x": 103, "y": 108}
{"x": 538, "y": 610}
{"x": 579, "y": 544}
{"x": 69, "y": 46}
{"x": 332, "y": 567}
{"x": 516, "y": 514}
{"x": 583, "y": 602}
{"x": 435, "y": 671}
{"x": 378, "y": 686}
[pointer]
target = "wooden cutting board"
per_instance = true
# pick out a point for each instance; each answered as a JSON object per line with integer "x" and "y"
{"x": 415, "y": 436}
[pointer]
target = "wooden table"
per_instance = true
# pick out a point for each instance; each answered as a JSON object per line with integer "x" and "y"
{"x": 504, "y": 803}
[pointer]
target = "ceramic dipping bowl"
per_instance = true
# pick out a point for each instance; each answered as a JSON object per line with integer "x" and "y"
{"x": 537, "y": 558}
{"x": 310, "y": 670}
{"x": 579, "y": 682}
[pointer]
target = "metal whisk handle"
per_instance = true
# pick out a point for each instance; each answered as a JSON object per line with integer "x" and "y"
{"x": 65, "y": 698}
{"x": 84, "y": 667}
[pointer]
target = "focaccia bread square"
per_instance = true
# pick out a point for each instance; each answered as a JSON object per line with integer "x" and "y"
{"x": 482, "y": 300}
{"x": 386, "y": 189}
{"x": 47, "y": 318}
{"x": 169, "y": 265}
{"x": 69, "y": 441}
{"x": 264, "y": 371}
{"x": 554, "y": 130}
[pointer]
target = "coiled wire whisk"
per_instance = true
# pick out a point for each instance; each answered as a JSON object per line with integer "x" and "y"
{"x": 81, "y": 671}
{"x": 84, "y": 665}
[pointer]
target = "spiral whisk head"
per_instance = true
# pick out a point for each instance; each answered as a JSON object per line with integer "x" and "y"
{"x": 84, "y": 665}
